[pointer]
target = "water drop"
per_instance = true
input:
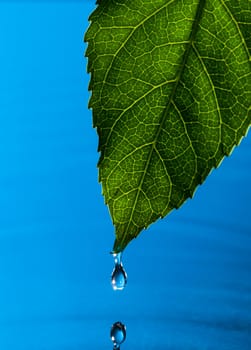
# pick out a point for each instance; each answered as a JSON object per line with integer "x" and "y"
{"x": 118, "y": 334}
{"x": 119, "y": 277}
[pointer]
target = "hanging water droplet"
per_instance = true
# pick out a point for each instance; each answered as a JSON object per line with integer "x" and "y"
{"x": 118, "y": 334}
{"x": 119, "y": 277}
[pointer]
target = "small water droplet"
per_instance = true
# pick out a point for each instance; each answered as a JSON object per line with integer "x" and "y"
{"x": 118, "y": 334}
{"x": 119, "y": 277}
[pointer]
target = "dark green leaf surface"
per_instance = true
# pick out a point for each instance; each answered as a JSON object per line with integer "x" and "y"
{"x": 171, "y": 96}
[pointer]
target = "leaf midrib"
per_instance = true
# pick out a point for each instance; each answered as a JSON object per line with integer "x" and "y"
{"x": 194, "y": 29}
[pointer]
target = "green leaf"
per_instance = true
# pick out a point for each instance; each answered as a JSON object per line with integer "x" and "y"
{"x": 171, "y": 93}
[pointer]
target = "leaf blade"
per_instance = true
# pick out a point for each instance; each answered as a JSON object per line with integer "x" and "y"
{"x": 169, "y": 101}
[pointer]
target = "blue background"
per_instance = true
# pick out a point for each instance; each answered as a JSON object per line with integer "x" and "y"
{"x": 189, "y": 275}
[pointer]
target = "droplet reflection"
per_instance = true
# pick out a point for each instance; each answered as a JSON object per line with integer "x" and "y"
{"x": 118, "y": 334}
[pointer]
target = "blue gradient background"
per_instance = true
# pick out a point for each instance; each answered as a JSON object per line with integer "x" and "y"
{"x": 189, "y": 284}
